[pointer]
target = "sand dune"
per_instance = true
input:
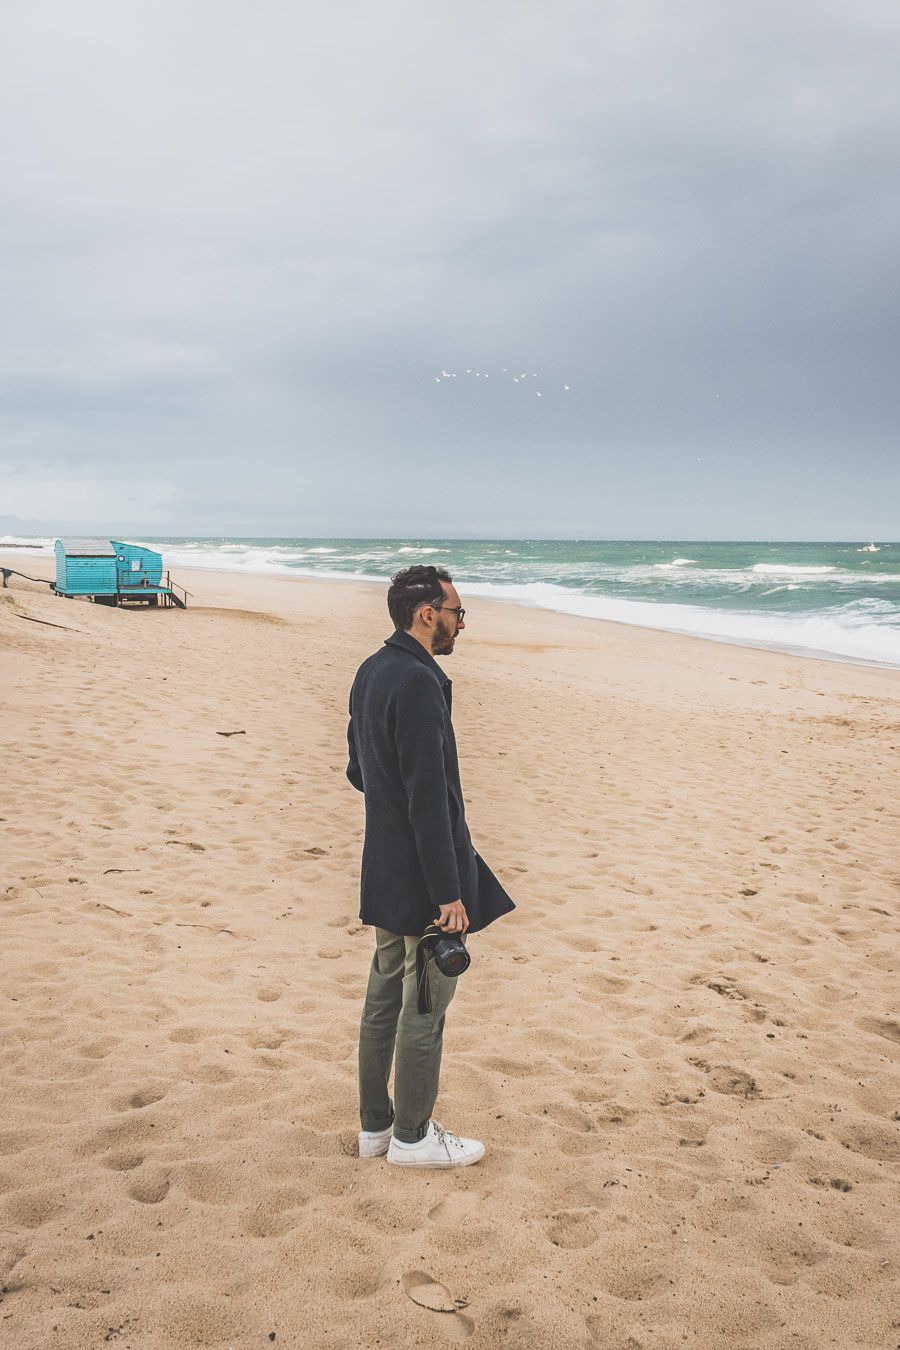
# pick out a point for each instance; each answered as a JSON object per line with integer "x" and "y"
{"x": 681, "y": 1050}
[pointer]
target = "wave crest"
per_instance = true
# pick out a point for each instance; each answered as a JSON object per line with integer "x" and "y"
{"x": 794, "y": 568}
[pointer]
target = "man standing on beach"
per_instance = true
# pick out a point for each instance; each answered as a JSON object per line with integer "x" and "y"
{"x": 418, "y": 868}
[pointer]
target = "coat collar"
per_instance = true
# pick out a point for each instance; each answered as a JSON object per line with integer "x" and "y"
{"x": 415, "y": 648}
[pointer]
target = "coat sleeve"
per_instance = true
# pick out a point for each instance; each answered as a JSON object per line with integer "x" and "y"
{"x": 353, "y": 770}
{"x": 419, "y": 737}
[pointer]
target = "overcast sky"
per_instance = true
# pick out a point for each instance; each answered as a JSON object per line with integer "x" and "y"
{"x": 239, "y": 241}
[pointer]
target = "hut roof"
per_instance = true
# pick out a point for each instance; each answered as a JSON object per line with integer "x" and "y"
{"x": 88, "y": 548}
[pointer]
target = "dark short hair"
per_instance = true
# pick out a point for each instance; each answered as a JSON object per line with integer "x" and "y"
{"x": 414, "y": 586}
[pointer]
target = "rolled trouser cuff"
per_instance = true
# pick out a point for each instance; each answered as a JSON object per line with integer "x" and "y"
{"x": 412, "y": 1136}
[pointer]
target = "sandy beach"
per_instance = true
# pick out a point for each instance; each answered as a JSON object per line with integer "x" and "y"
{"x": 681, "y": 1050}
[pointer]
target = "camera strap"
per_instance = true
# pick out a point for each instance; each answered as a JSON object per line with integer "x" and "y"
{"x": 424, "y": 954}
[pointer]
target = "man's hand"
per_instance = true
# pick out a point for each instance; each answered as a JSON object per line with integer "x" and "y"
{"x": 453, "y": 918}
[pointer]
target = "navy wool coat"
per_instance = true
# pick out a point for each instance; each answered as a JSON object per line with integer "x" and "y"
{"x": 418, "y": 853}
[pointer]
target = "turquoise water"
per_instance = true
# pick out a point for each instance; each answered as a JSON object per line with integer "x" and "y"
{"x": 840, "y": 600}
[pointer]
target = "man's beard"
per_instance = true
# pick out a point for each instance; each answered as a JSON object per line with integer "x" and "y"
{"x": 443, "y": 640}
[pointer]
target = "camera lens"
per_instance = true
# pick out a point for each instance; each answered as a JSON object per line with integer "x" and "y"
{"x": 451, "y": 956}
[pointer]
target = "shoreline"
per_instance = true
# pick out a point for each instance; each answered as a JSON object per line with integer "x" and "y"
{"x": 494, "y": 599}
{"x": 323, "y": 578}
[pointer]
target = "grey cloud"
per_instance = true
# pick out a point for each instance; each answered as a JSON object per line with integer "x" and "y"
{"x": 239, "y": 243}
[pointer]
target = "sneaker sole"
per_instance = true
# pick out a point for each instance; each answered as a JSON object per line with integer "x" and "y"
{"x": 462, "y": 1162}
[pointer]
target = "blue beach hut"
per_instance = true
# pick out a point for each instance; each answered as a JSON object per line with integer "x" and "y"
{"x": 112, "y": 572}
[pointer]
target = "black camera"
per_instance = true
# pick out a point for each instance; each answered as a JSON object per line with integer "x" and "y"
{"x": 447, "y": 950}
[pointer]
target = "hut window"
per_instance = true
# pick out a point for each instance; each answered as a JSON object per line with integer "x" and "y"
{"x": 135, "y": 564}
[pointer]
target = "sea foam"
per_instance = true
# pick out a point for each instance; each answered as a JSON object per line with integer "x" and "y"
{"x": 846, "y": 632}
{"x": 791, "y": 567}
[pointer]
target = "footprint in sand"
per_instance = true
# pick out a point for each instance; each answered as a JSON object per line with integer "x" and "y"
{"x": 571, "y": 1228}
{"x": 123, "y": 1162}
{"x": 724, "y": 1078}
{"x": 455, "y": 1207}
{"x": 685, "y": 1095}
{"x": 569, "y": 1117}
{"x": 723, "y": 986}
{"x": 99, "y": 1049}
{"x": 150, "y": 1190}
{"x": 698, "y": 1035}
{"x": 264, "y": 1040}
{"x": 692, "y": 1138}
{"x": 511, "y": 1068}
{"x": 212, "y": 1183}
{"x": 786, "y": 1257}
{"x": 262, "y": 1223}
{"x": 873, "y": 1141}
{"x": 626, "y": 1280}
{"x": 602, "y": 983}
{"x": 881, "y": 1026}
{"x": 612, "y": 1113}
{"x": 268, "y": 995}
{"x": 128, "y": 1134}
{"x": 187, "y": 1035}
{"x": 733, "y": 1082}
{"x": 212, "y": 1073}
{"x": 582, "y": 944}
{"x": 30, "y": 1209}
{"x": 136, "y": 1101}
{"x": 598, "y": 1328}
{"x": 428, "y": 1293}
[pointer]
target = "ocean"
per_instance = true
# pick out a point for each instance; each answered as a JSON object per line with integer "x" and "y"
{"x": 835, "y": 600}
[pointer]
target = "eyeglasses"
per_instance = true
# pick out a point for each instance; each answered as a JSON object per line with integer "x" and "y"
{"x": 453, "y": 609}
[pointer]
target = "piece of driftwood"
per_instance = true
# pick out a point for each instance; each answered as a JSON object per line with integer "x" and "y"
{"x": 231, "y": 733}
{"x": 47, "y": 624}
{"x": 210, "y": 928}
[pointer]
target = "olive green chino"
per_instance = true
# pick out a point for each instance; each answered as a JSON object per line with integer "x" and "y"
{"x": 393, "y": 1030}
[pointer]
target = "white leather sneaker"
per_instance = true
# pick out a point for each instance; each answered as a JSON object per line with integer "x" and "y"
{"x": 439, "y": 1148}
{"x": 374, "y": 1143}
